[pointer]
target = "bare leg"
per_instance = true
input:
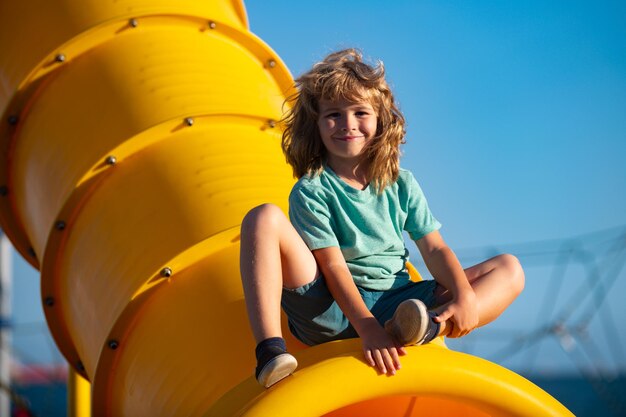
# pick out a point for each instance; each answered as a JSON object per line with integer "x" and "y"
{"x": 496, "y": 283}
{"x": 272, "y": 255}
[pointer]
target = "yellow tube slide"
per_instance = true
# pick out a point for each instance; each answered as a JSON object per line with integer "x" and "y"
{"x": 135, "y": 135}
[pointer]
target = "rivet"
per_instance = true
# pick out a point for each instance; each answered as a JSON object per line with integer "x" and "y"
{"x": 189, "y": 121}
{"x": 59, "y": 58}
{"x": 132, "y": 23}
{"x": 111, "y": 160}
{"x": 13, "y": 120}
{"x": 271, "y": 123}
{"x": 212, "y": 24}
{"x": 271, "y": 63}
{"x": 166, "y": 272}
{"x": 49, "y": 301}
{"x": 113, "y": 344}
{"x": 60, "y": 225}
{"x": 80, "y": 366}
{"x": 4, "y": 190}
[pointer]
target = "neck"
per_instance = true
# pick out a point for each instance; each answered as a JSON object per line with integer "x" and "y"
{"x": 354, "y": 175}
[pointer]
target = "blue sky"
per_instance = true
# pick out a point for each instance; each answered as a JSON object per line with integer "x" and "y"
{"x": 516, "y": 129}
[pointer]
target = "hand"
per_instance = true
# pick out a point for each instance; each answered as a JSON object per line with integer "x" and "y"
{"x": 461, "y": 313}
{"x": 379, "y": 348}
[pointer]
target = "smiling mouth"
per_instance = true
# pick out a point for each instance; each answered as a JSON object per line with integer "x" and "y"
{"x": 349, "y": 138}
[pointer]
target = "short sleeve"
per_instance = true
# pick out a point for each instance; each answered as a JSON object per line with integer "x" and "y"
{"x": 310, "y": 216}
{"x": 419, "y": 221}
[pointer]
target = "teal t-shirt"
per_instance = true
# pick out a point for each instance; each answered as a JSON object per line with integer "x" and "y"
{"x": 365, "y": 225}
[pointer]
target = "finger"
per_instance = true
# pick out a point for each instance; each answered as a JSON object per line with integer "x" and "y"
{"x": 368, "y": 357}
{"x": 389, "y": 363}
{"x": 401, "y": 350}
{"x": 452, "y": 328}
{"x": 443, "y": 315}
{"x": 395, "y": 357}
{"x": 441, "y": 318}
{"x": 438, "y": 310}
{"x": 456, "y": 331}
{"x": 380, "y": 363}
{"x": 467, "y": 331}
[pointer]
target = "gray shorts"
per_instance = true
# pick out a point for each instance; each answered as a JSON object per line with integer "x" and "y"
{"x": 314, "y": 316}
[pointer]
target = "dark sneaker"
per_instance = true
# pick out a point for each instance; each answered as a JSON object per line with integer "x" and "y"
{"x": 411, "y": 324}
{"x": 276, "y": 369}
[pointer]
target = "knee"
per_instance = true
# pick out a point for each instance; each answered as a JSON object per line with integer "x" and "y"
{"x": 265, "y": 216}
{"x": 515, "y": 272}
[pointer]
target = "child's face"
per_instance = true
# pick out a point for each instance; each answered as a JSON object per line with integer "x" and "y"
{"x": 346, "y": 127}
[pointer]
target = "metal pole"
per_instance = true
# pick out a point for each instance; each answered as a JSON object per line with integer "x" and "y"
{"x": 78, "y": 395}
{"x": 5, "y": 322}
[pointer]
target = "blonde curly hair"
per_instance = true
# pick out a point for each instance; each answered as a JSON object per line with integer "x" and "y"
{"x": 343, "y": 75}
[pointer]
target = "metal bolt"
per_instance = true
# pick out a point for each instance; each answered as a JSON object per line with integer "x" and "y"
{"x": 59, "y": 58}
{"x": 4, "y": 190}
{"x": 113, "y": 344}
{"x": 212, "y": 24}
{"x": 166, "y": 272}
{"x": 111, "y": 160}
{"x": 49, "y": 301}
{"x": 189, "y": 121}
{"x": 60, "y": 225}
{"x": 271, "y": 123}
{"x": 13, "y": 120}
{"x": 271, "y": 63}
{"x": 132, "y": 23}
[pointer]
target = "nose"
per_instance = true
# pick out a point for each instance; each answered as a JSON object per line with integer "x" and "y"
{"x": 349, "y": 123}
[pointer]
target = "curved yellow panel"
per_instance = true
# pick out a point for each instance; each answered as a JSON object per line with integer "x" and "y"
{"x": 108, "y": 96}
{"x": 214, "y": 339}
{"x": 106, "y": 88}
{"x": 413, "y": 406}
{"x": 35, "y": 29}
{"x": 135, "y": 136}
{"x": 431, "y": 375}
{"x": 144, "y": 207}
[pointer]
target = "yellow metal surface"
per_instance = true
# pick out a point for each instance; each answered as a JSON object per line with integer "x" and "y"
{"x": 135, "y": 136}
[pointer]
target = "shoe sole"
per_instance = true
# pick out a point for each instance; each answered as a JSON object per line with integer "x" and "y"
{"x": 277, "y": 369}
{"x": 409, "y": 322}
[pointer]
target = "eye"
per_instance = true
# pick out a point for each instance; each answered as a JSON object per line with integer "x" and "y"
{"x": 332, "y": 115}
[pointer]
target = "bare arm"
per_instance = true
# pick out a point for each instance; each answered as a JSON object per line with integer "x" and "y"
{"x": 444, "y": 266}
{"x": 379, "y": 348}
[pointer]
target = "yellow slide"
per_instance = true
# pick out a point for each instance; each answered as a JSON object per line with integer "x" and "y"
{"x": 135, "y": 135}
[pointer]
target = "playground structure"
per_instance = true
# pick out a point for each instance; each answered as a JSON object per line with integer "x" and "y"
{"x": 135, "y": 135}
